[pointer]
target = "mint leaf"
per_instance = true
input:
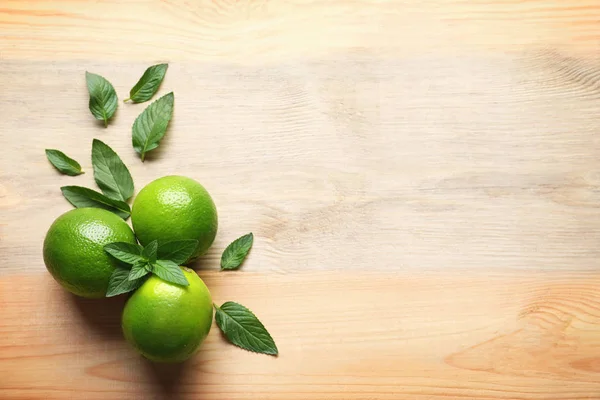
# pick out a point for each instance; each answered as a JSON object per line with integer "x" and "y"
{"x": 63, "y": 163}
{"x": 127, "y": 252}
{"x": 236, "y": 252}
{"x": 148, "y": 84}
{"x": 83, "y": 197}
{"x": 150, "y": 126}
{"x": 178, "y": 251}
{"x": 119, "y": 283}
{"x": 111, "y": 175}
{"x": 243, "y": 329}
{"x": 138, "y": 270}
{"x": 169, "y": 271}
{"x": 103, "y": 98}
{"x": 149, "y": 252}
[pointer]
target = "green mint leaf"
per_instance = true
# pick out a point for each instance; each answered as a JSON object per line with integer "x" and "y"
{"x": 138, "y": 270}
{"x": 127, "y": 252}
{"x": 148, "y": 84}
{"x": 150, "y": 126}
{"x": 63, "y": 163}
{"x": 236, "y": 252}
{"x": 178, "y": 251}
{"x": 243, "y": 329}
{"x": 103, "y": 98}
{"x": 83, "y": 197}
{"x": 111, "y": 175}
{"x": 150, "y": 250}
{"x": 169, "y": 271}
{"x": 119, "y": 283}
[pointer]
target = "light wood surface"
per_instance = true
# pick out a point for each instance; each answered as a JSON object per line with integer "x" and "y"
{"x": 422, "y": 179}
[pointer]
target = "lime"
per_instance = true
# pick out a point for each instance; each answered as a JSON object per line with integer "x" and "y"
{"x": 175, "y": 208}
{"x": 74, "y": 249}
{"x": 166, "y": 322}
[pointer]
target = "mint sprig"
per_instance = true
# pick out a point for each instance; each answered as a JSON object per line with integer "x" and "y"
{"x": 178, "y": 251}
{"x": 149, "y": 252}
{"x": 242, "y": 328}
{"x": 236, "y": 252}
{"x": 110, "y": 173}
{"x": 148, "y": 84}
{"x": 151, "y": 125}
{"x": 103, "y": 98}
{"x": 83, "y": 197}
{"x": 169, "y": 271}
{"x": 63, "y": 163}
{"x": 141, "y": 262}
{"x": 119, "y": 284}
{"x": 127, "y": 252}
{"x": 138, "y": 270}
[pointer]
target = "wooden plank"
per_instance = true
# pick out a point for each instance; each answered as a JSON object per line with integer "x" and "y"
{"x": 256, "y": 31}
{"x": 342, "y": 335}
{"x": 353, "y": 162}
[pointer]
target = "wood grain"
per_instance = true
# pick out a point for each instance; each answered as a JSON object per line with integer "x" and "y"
{"x": 421, "y": 179}
{"x": 514, "y": 335}
{"x": 260, "y": 30}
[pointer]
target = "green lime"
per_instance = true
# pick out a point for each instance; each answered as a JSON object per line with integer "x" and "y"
{"x": 175, "y": 208}
{"x": 166, "y": 322}
{"x": 74, "y": 249}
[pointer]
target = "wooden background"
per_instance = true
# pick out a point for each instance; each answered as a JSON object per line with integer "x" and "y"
{"x": 422, "y": 178}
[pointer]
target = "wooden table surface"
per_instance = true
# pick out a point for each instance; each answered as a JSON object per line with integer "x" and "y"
{"x": 422, "y": 179}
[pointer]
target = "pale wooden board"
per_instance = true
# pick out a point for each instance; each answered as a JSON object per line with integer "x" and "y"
{"x": 422, "y": 181}
{"x": 357, "y": 335}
